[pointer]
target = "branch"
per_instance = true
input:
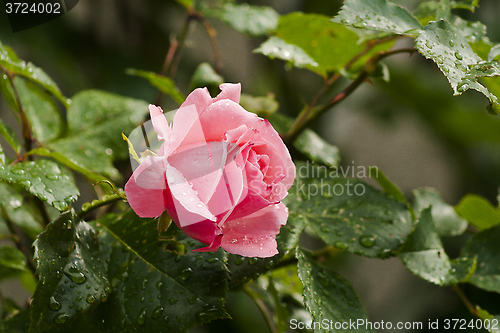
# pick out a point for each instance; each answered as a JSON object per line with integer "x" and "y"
{"x": 465, "y": 300}
{"x": 311, "y": 112}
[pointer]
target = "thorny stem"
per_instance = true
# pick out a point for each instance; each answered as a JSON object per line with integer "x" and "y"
{"x": 263, "y": 309}
{"x": 465, "y": 300}
{"x": 310, "y": 113}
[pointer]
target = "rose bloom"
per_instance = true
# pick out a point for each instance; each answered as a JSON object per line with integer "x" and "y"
{"x": 220, "y": 173}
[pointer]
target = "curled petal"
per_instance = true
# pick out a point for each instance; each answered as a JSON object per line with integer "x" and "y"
{"x": 160, "y": 123}
{"x": 231, "y": 91}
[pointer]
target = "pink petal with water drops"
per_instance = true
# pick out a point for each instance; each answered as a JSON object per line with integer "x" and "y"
{"x": 185, "y": 196}
{"x": 160, "y": 123}
{"x": 255, "y": 234}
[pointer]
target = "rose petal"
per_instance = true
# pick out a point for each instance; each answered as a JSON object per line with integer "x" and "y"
{"x": 234, "y": 116}
{"x": 160, "y": 123}
{"x": 145, "y": 189}
{"x": 229, "y": 91}
{"x": 214, "y": 246}
{"x": 184, "y": 194}
{"x": 200, "y": 98}
{"x": 255, "y": 235}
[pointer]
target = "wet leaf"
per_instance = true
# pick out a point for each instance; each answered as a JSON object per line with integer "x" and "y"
{"x": 348, "y": 213}
{"x": 423, "y": 255}
{"x": 485, "y": 247}
{"x": 328, "y": 296}
{"x": 380, "y": 15}
{"x": 72, "y": 278}
{"x": 45, "y": 180}
{"x": 250, "y": 20}
{"x": 276, "y": 47}
{"x": 478, "y": 211}
{"x": 9, "y": 136}
{"x": 447, "y": 221}
{"x": 158, "y": 285}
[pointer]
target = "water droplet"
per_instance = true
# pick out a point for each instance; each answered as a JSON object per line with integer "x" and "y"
{"x": 212, "y": 260}
{"x": 52, "y": 176}
{"x": 172, "y": 301}
{"x": 54, "y": 304}
{"x": 142, "y": 317}
{"x": 158, "y": 285}
{"x": 143, "y": 284}
{"x": 75, "y": 275}
{"x": 367, "y": 241}
{"x": 340, "y": 245}
{"x": 452, "y": 43}
{"x": 238, "y": 261}
{"x": 90, "y": 298}
{"x": 157, "y": 312}
{"x": 61, "y": 318}
{"x": 108, "y": 290}
{"x": 458, "y": 55}
{"x": 193, "y": 299}
{"x": 269, "y": 264}
{"x": 252, "y": 261}
{"x": 186, "y": 273}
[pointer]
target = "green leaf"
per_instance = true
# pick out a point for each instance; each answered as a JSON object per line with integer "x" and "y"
{"x": 8, "y": 92}
{"x": 423, "y": 255}
{"x": 308, "y": 142}
{"x": 2, "y": 156}
{"x": 347, "y": 213}
{"x": 330, "y": 45}
{"x": 250, "y": 20}
{"x": 67, "y": 162}
{"x": 186, "y": 3}
{"x": 205, "y": 76}
{"x": 478, "y": 211}
{"x": 41, "y": 110}
{"x": 165, "y": 84}
{"x": 159, "y": 285}
{"x": 9, "y": 136}
{"x": 447, "y": 47}
{"x": 96, "y": 120}
{"x": 17, "y": 212}
{"x": 262, "y": 106}
{"x": 328, "y": 296}
{"x": 45, "y": 180}
{"x": 447, "y": 221}
{"x": 12, "y": 262}
{"x": 485, "y": 247}
{"x": 474, "y": 32}
{"x": 465, "y": 4}
{"x": 71, "y": 274}
{"x": 276, "y": 47}
{"x": 389, "y": 187}
{"x": 380, "y": 15}
{"x": 494, "y": 52}
{"x": 317, "y": 149}
{"x": 10, "y": 63}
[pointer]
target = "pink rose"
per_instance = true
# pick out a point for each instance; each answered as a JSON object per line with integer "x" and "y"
{"x": 220, "y": 173}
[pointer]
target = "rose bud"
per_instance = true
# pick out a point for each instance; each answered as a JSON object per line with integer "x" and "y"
{"x": 220, "y": 173}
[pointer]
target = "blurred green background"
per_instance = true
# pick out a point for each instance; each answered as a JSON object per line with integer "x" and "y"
{"x": 412, "y": 128}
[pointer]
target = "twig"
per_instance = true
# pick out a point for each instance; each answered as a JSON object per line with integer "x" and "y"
{"x": 465, "y": 300}
{"x": 311, "y": 113}
{"x": 212, "y": 34}
{"x": 263, "y": 309}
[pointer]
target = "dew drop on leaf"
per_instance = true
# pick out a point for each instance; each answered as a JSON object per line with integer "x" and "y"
{"x": 54, "y": 304}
